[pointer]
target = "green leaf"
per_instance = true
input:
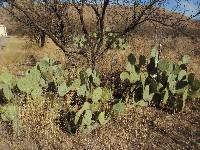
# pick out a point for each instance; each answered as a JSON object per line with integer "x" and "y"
{"x": 134, "y": 77}
{"x": 107, "y": 29}
{"x": 87, "y": 118}
{"x": 82, "y": 90}
{"x": 176, "y": 69}
{"x": 75, "y": 85}
{"x": 34, "y": 74}
{"x": 106, "y": 94}
{"x": 89, "y": 72}
{"x": 143, "y": 77}
{"x": 163, "y": 65}
{"x": 171, "y": 67}
{"x": 129, "y": 67}
{"x": 86, "y": 106}
{"x": 182, "y": 74}
{"x": 44, "y": 63}
{"x": 36, "y": 92}
{"x": 95, "y": 107}
{"x": 9, "y": 112}
{"x": 43, "y": 83}
{"x": 142, "y": 103}
{"x": 102, "y": 118}
{"x": 166, "y": 96}
{"x": 118, "y": 108}
{"x": 195, "y": 94}
{"x": 186, "y": 59}
{"x": 25, "y": 84}
{"x": 62, "y": 89}
{"x": 146, "y": 92}
{"x": 95, "y": 34}
{"x": 96, "y": 80}
{"x": 97, "y": 94}
{"x": 159, "y": 86}
{"x": 124, "y": 76}
{"x": 146, "y": 96}
{"x": 154, "y": 54}
{"x": 88, "y": 129}
{"x": 6, "y": 78}
{"x": 172, "y": 83}
{"x": 7, "y": 92}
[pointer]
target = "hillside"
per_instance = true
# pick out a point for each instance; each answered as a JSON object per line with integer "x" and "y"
{"x": 176, "y": 42}
{"x": 45, "y": 121}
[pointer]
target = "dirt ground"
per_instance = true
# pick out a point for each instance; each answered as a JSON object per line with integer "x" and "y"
{"x": 147, "y": 129}
{"x": 143, "y": 128}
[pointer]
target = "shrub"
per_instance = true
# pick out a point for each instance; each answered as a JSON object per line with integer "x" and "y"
{"x": 90, "y": 103}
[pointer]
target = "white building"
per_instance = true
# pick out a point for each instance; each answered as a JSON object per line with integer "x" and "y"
{"x": 3, "y": 31}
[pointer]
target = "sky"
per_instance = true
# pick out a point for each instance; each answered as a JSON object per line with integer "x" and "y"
{"x": 189, "y": 6}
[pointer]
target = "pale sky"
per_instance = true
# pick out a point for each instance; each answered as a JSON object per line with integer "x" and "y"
{"x": 189, "y": 6}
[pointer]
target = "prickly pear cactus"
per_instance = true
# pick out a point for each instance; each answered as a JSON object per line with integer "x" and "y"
{"x": 130, "y": 74}
{"x": 63, "y": 89}
{"x": 8, "y": 112}
{"x": 118, "y": 108}
{"x": 97, "y": 94}
{"x": 155, "y": 55}
{"x": 102, "y": 118}
{"x": 7, "y": 82}
{"x": 146, "y": 94}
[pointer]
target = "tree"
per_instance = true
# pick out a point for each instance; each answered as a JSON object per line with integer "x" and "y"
{"x": 25, "y": 27}
{"x": 52, "y": 18}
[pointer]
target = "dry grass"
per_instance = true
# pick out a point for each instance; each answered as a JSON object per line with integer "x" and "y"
{"x": 13, "y": 54}
{"x": 50, "y": 50}
{"x": 15, "y": 57}
{"x": 14, "y": 51}
{"x": 172, "y": 49}
{"x": 142, "y": 128}
{"x": 19, "y": 50}
{"x": 137, "y": 129}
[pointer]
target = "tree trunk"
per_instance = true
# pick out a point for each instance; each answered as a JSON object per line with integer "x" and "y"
{"x": 42, "y": 39}
{"x": 93, "y": 63}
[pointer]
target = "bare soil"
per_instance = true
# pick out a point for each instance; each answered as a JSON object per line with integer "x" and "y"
{"x": 142, "y": 128}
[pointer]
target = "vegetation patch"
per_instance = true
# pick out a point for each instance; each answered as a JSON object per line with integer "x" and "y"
{"x": 86, "y": 102}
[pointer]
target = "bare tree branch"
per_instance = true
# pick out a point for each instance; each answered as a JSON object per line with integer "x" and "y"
{"x": 52, "y": 17}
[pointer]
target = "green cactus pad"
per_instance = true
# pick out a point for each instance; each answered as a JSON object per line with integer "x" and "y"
{"x": 97, "y": 94}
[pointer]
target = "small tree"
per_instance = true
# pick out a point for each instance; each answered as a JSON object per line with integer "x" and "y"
{"x": 27, "y": 28}
{"x": 52, "y": 18}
